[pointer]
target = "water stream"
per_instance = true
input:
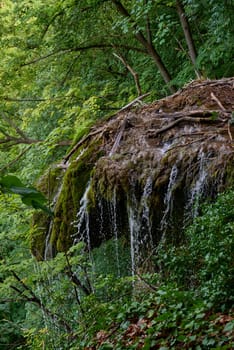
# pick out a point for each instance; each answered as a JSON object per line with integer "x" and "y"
{"x": 113, "y": 213}
{"x": 198, "y": 189}
{"x": 168, "y": 201}
{"x": 82, "y": 222}
{"x": 140, "y": 227}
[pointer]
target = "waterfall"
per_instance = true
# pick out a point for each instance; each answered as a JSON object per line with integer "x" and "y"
{"x": 49, "y": 251}
{"x": 198, "y": 189}
{"x": 82, "y": 221}
{"x": 140, "y": 226}
{"x": 113, "y": 213}
{"x": 168, "y": 201}
{"x": 134, "y": 238}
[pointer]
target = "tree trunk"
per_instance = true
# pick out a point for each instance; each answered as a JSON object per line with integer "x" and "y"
{"x": 187, "y": 34}
{"x": 147, "y": 45}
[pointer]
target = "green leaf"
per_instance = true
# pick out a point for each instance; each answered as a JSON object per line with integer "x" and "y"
{"x": 29, "y": 195}
{"x": 10, "y": 181}
{"x": 229, "y": 327}
{"x": 29, "y": 192}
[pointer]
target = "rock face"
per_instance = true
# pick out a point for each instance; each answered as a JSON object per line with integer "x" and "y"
{"x": 142, "y": 174}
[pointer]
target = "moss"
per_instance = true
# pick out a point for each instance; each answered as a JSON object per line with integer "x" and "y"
{"x": 50, "y": 181}
{"x": 74, "y": 183}
{"x": 38, "y": 232}
{"x": 229, "y": 178}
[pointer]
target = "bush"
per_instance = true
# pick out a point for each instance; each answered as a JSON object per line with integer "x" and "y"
{"x": 206, "y": 261}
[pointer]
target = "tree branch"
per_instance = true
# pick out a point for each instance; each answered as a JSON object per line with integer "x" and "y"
{"x": 178, "y": 121}
{"x": 131, "y": 70}
{"x": 144, "y": 42}
{"x": 188, "y": 35}
{"x": 8, "y": 165}
{"x": 148, "y": 26}
{"x": 10, "y": 122}
{"x": 34, "y": 299}
{"x": 16, "y": 141}
{"x": 76, "y": 280}
{"x": 80, "y": 49}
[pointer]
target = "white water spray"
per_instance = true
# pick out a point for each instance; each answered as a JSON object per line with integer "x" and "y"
{"x": 140, "y": 226}
{"x": 82, "y": 221}
{"x": 113, "y": 212}
{"x": 199, "y": 187}
{"x": 168, "y": 200}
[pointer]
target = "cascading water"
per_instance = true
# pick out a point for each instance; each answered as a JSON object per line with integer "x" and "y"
{"x": 134, "y": 238}
{"x": 198, "y": 189}
{"x": 82, "y": 221}
{"x": 49, "y": 251}
{"x": 113, "y": 213}
{"x": 140, "y": 226}
{"x": 168, "y": 201}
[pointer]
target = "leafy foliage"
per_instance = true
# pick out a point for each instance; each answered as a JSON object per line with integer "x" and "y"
{"x": 72, "y": 303}
{"x": 29, "y": 195}
{"x": 59, "y": 75}
{"x": 205, "y": 261}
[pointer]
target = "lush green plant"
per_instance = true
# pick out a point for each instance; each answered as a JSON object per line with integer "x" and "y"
{"x": 29, "y": 195}
{"x": 205, "y": 262}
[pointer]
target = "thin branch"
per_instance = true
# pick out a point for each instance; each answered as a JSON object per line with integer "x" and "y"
{"x": 79, "y": 143}
{"x": 131, "y": 70}
{"x": 33, "y": 298}
{"x": 101, "y": 130}
{"x": 153, "y": 53}
{"x": 12, "y": 99}
{"x": 217, "y": 101}
{"x": 51, "y": 22}
{"x": 8, "y": 165}
{"x": 16, "y": 141}
{"x": 151, "y": 286}
{"x": 70, "y": 68}
{"x": 13, "y": 125}
{"x": 148, "y": 27}
{"x": 80, "y": 49}
{"x": 178, "y": 121}
{"x": 76, "y": 280}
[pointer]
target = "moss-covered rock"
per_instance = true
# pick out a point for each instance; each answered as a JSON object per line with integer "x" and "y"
{"x": 147, "y": 176}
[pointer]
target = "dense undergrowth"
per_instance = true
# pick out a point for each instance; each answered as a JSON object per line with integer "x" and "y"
{"x": 187, "y": 302}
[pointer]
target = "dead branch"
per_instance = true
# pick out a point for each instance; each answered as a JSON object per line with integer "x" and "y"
{"x": 224, "y": 81}
{"x": 118, "y": 138}
{"x": 81, "y": 142}
{"x": 217, "y": 101}
{"x": 169, "y": 126}
{"x": 131, "y": 70}
{"x": 101, "y": 130}
{"x": 229, "y": 132}
{"x": 190, "y": 143}
{"x": 195, "y": 113}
